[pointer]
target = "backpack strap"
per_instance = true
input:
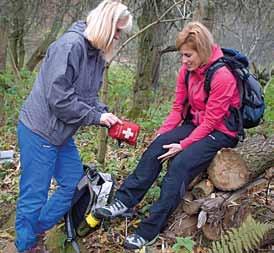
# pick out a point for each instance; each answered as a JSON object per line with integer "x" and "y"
{"x": 208, "y": 77}
{"x": 71, "y": 236}
{"x": 209, "y": 74}
{"x": 89, "y": 173}
{"x": 187, "y": 117}
{"x": 187, "y": 78}
{"x": 207, "y": 87}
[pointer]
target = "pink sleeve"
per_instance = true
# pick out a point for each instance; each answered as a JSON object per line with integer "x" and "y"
{"x": 175, "y": 116}
{"x": 223, "y": 86}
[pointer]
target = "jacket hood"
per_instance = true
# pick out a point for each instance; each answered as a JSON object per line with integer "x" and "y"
{"x": 216, "y": 54}
{"x": 78, "y": 27}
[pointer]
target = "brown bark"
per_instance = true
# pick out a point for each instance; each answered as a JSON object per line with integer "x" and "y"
{"x": 224, "y": 210}
{"x": 232, "y": 217}
{"x": 2, "y": 113}
{"x": 39, "y": 53}
{"x": 258, "y": 153}
{"x": 148, "y": 56}
{"x": 102, "y": 138}
{"x": 189, "y": 205}
{"x": 204, "y": 13}
{"x": 192, "y": 207}
{"x": 18, "y": 30}
{"x": 233, "y": 168}
{"x": 203, "y": 189}
{"x": 185, "y": 225}
{"x": 3, "y": 42}
{"x": 211, "y": 231}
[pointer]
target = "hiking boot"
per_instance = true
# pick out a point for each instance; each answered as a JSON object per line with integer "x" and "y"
{"x": 112, "y": 210}
{"x": 10, "y": 248}
{"x": 40, "y": 247}
{"x": 36, "y": 249}
{"x": 135, "y": 241}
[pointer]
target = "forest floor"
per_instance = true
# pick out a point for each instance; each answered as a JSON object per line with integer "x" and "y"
{"x": 109, "y": 238}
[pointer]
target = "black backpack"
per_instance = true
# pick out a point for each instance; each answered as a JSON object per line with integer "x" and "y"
{"x": 252, "y": 106}
{"x": 94, "y": 190}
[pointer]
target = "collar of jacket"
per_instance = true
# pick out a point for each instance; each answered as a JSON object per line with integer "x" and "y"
{"x": 216, "y": 54}
{"x": 91, "y": 49}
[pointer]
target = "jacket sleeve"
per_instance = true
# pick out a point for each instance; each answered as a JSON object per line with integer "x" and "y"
{"x": 101, "y": 107}
{"x": 223, "y": 86}
{"x": 60, "y": 70}
{"x": 175, "y": 116}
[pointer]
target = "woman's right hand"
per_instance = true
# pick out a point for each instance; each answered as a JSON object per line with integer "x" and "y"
{"x": 109, "y": 119}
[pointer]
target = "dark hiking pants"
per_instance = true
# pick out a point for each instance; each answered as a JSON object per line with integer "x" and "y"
{"x": 182, "y": 169}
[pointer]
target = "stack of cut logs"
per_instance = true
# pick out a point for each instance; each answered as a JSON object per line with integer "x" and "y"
{"x": 220, "y": 199}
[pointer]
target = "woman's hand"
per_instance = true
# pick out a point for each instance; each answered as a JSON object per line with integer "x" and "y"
{"x": 174, "y": 148}
{"x": 109, "y": 119}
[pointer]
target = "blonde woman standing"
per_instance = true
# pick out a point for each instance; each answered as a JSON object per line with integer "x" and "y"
{"x": 195, "y": 129}
{"x": 64, "y": 97}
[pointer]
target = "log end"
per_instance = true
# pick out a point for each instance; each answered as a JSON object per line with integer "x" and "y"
{"x": 228, "y": 171}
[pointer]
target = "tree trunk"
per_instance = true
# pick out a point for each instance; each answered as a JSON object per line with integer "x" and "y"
{"x": 13, "y": 47}
{"x": 102, "y": 138}
{"x": 148, "y": 55}
{"x": 258, "y": 153}
{"x": 4, "y": 24}
{"x": 18, "y": 22}
{"x": 21, "y": 50}
{"x": 204, "y": 13}
{"x": 3, "y": 42}
{"x": 233, "y": 168}
{"x": 2, "y": 112}
{"x": 39, "y": 53}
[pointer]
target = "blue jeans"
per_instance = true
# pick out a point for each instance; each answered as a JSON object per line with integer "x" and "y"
{"x": 184, "y": 167}
{"x": 40, "y": 162}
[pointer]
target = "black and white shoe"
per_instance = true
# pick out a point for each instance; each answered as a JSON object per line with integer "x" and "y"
{"x": 135, "y": 241}
{"x": 112, "y": 210}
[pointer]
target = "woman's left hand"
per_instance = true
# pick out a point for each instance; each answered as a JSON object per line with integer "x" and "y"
{"x": 174, "y": 148}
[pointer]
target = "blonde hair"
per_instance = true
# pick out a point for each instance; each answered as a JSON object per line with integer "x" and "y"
{"x": 198, "y": 38}
{"x": 102, "y": 22}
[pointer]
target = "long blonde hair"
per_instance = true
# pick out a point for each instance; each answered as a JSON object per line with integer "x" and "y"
{"x": 198, "y": 38}
{"x": 102, "y": 21}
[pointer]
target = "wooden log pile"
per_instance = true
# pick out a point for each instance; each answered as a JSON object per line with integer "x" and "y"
{"x": 221, "y": 198}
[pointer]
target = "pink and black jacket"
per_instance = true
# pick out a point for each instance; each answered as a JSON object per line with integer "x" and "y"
{"x": 207, "y": 116}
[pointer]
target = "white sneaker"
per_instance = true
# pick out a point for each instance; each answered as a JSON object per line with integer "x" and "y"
{"x": 112, "y": 210}
{"x": 135, "y": 241}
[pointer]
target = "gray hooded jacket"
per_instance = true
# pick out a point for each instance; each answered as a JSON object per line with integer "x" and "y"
{"x": 65, "y": 93}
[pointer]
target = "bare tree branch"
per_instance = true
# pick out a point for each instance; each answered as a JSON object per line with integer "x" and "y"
{"x": 168, "y": 49}
{"x": 157, "y": 21}
{"x": 156, "y": 8}
{"x": 178, "y": 9}
{"x": 173, "y": 20}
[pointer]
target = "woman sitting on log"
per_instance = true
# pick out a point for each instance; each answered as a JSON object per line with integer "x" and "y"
{"x": 191, "y": 135}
